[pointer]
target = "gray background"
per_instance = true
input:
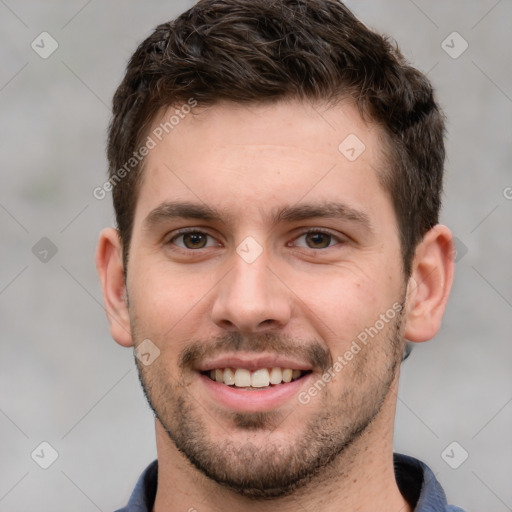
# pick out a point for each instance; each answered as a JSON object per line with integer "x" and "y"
{"x": 64, "y": 381}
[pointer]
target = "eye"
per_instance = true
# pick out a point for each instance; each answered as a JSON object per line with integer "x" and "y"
{"x": 192, "y": 240}
{"x": 316, "y": 239}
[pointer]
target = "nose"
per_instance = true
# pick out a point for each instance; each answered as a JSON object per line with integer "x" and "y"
{"x": 251, "y": 298}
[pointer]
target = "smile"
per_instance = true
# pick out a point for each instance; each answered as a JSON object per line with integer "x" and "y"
{"x": 256, "y": 379}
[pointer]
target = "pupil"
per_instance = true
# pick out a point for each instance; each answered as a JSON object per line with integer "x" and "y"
{"x": 319, "y": 240}
{"x": 195, "y": 240}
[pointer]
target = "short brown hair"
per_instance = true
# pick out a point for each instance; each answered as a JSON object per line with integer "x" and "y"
{"x": 259, "y": 51}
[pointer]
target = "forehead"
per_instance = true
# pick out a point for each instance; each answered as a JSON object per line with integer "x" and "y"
{"x": 250, "y": 157}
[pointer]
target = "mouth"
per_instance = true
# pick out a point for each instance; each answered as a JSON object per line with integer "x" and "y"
{"x": 248, "y": 382}
{"x": 254, "y": 380}
{"x": 259, "y": 389}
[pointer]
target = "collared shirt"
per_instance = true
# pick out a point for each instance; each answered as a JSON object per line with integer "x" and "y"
{"x": 415, "y": 480}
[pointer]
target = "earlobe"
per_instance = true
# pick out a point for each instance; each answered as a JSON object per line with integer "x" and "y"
{"x": 109, "y": 264}
{"x": 429, "y": 285}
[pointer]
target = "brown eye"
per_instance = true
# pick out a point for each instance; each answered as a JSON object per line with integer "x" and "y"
{"x": 194, "y": 240}
{"x": 318, "y": 240}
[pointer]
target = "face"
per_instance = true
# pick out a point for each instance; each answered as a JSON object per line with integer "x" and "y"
{"x": 263, "y": 254}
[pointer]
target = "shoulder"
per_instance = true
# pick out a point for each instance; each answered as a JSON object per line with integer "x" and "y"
{"x": 419, "y": 486}
{"x": 144, "y": 493}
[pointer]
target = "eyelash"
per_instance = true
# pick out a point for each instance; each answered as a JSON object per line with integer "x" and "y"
{"x": 305, "y": 233}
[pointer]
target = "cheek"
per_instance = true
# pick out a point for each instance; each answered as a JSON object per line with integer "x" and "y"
{"x": 343, "y": 305}
{"x": 170, "y": 307}
{"x": 161, "y": 289}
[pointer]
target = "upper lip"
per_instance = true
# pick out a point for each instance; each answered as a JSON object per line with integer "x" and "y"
{"x": 253, "y": 362}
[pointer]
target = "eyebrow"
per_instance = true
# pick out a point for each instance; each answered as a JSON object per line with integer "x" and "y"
{"x": 170, "y": 210}
{"x": 181, "y": 210}
{"x": 329, "y": 210}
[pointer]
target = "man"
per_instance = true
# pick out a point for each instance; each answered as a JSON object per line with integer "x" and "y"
{"x": 276, "y": 171}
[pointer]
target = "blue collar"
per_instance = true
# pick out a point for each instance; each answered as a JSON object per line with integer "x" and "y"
{"x": 415, "y": 480}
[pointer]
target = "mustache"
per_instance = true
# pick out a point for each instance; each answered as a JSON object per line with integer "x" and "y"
{"x": 311, "y": 352}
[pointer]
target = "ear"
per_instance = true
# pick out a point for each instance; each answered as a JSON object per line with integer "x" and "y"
{"x": 109, "y": 263}
{"x": 430, "y": 284}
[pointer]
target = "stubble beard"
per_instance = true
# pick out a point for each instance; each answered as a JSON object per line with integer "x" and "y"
{"x": 277, "y": 468}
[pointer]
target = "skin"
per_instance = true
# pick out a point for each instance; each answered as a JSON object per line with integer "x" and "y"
{"x": 308, "y": 296}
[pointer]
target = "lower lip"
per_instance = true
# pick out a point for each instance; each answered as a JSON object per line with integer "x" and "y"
{"x": 243, "y": 400}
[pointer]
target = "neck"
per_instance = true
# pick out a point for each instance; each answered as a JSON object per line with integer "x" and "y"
{"x": 361, "y": 478}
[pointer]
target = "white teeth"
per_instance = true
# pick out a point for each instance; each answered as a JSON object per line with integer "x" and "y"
{"x": 260, "y": 378}
{"x": 229, "y": 377}
{"x": 276, "y": 376}
{"x": 242, "y": 378}
{"x": 287, "y": 375}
